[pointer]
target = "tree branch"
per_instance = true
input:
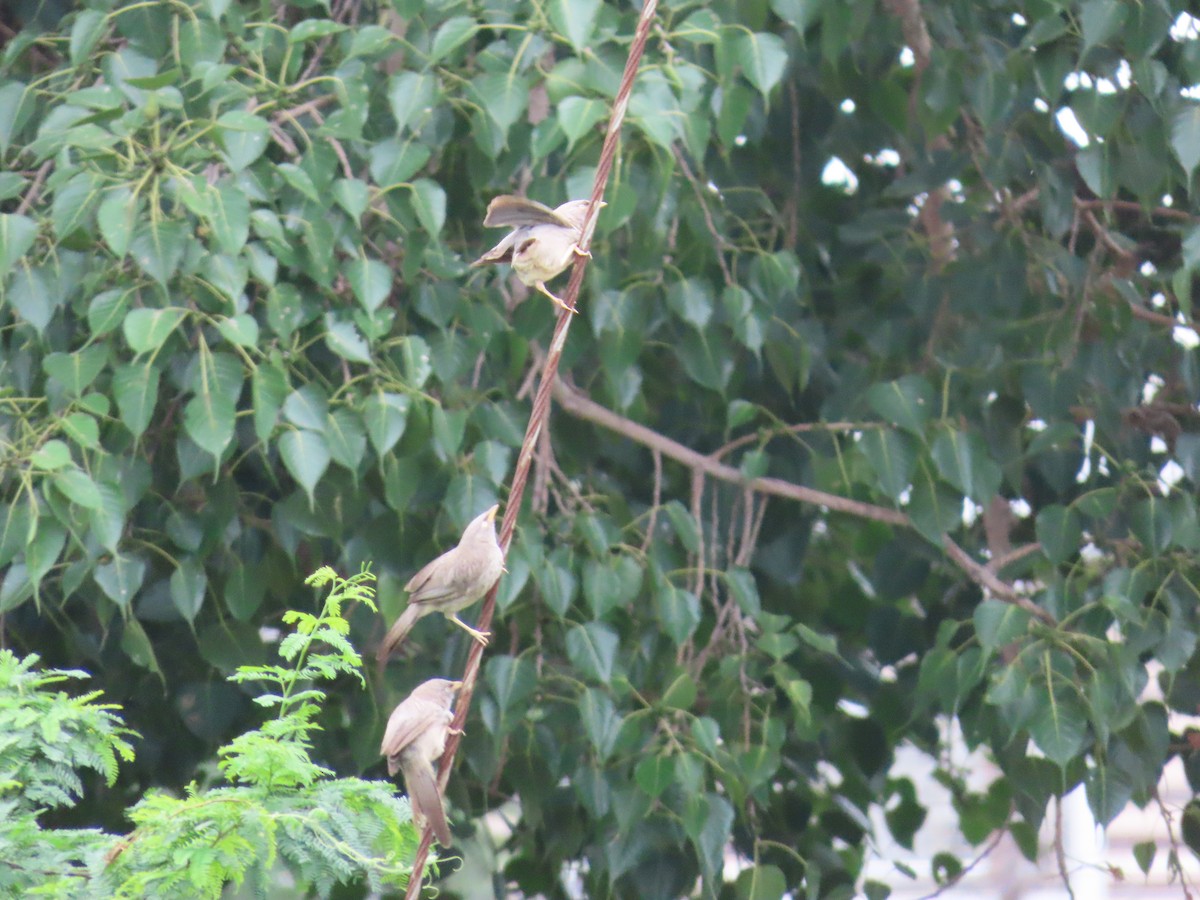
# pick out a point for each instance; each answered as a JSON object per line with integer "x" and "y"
{"x": 720, "y": 244}
{"x": 766, "y": 434}
{"x": 1012, "y": 556}
{"x": 578, "y": 404}
{"x": 581, "y": 406}
{"x": 539, "y": 414}
{"x": 997, "y": 837}
{"x": 1133, "y": 206}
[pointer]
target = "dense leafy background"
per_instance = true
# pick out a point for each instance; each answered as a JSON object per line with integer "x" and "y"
{"x": 239, "y": 339}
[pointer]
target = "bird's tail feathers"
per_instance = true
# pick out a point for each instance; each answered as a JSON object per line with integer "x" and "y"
{"x": 426, "y": 802}
{"x": 397, "y": 633}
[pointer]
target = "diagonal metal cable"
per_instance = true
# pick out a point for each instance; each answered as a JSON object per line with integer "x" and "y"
{"x": 538, "y": 416}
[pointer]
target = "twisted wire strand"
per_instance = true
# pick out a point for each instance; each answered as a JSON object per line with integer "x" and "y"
{"x": 538, "y": 416}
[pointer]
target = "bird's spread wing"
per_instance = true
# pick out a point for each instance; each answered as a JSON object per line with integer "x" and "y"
{"x": 501, "y": 253}
{"x": 517, "y": 211}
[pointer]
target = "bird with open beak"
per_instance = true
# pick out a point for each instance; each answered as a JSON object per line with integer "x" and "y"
{"x": 451, "y": 583}
{"x": 414, "y": 740}
{"x": 543, "y": 240}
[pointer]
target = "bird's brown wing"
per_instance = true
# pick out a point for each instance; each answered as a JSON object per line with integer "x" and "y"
{"x": 408, "y": 721}
{"x": 517, "y": 211}
{"x": 430, "y": 572}
{"x": 501, "y": 253}
{"x": 450, "y": 575}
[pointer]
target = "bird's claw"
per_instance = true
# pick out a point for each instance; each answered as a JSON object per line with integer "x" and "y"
{"x": 557, "y": 300}
{"x": 480, "y": 636}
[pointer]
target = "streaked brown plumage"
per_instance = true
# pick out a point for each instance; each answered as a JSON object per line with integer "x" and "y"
{"x": 543, "y": 240}
{"x": 452, "y": 582}
{"x": 414, "y": 739}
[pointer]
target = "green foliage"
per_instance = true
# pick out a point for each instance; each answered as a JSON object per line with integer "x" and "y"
{"x": 326, "y": 831}
{"x": 277, "y": 754}
{"x": 332, "y": 832}
{"x": 46, "y": 737}
{"x": 238, "y": 333}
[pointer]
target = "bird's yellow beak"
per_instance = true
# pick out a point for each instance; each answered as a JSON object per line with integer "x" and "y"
{"x": 491, "y": 513}
{"x": 456, "y": 685}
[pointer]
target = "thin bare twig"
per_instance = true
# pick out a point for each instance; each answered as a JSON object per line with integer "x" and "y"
{"x": 35, "y": 189}
{"x": 792, "y": 206}
{"x": 701, "y": 548}
{"x": 1173, "y": 864}
{"x": 577, "y": 403}
{"x": 310, "y": 108}
{"x": 1017, "y": 206}
{"x": 1166, "y": 212}
{"x": 756, "y": 530}
{"x": 916, "y": 33}
{"x": 1012, "y": 556}
{"x": 580, "y": 405}
{"x": 280, "y": 137}
{"x": 747, "y": 510}
{"x": 965, "y": 870}
{"x": 798, "y": 428}
{"x": 1149, "y": 315}
{"x": 750, "y": 538}
{"x": 720, "y": 244}
{"x": 530, "y": 379}
{"x": 655, "y": 500}
{"x": 1060, "y": 853}
{"x": 985, "y": 577}
{"x": 1105, "y": 236}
